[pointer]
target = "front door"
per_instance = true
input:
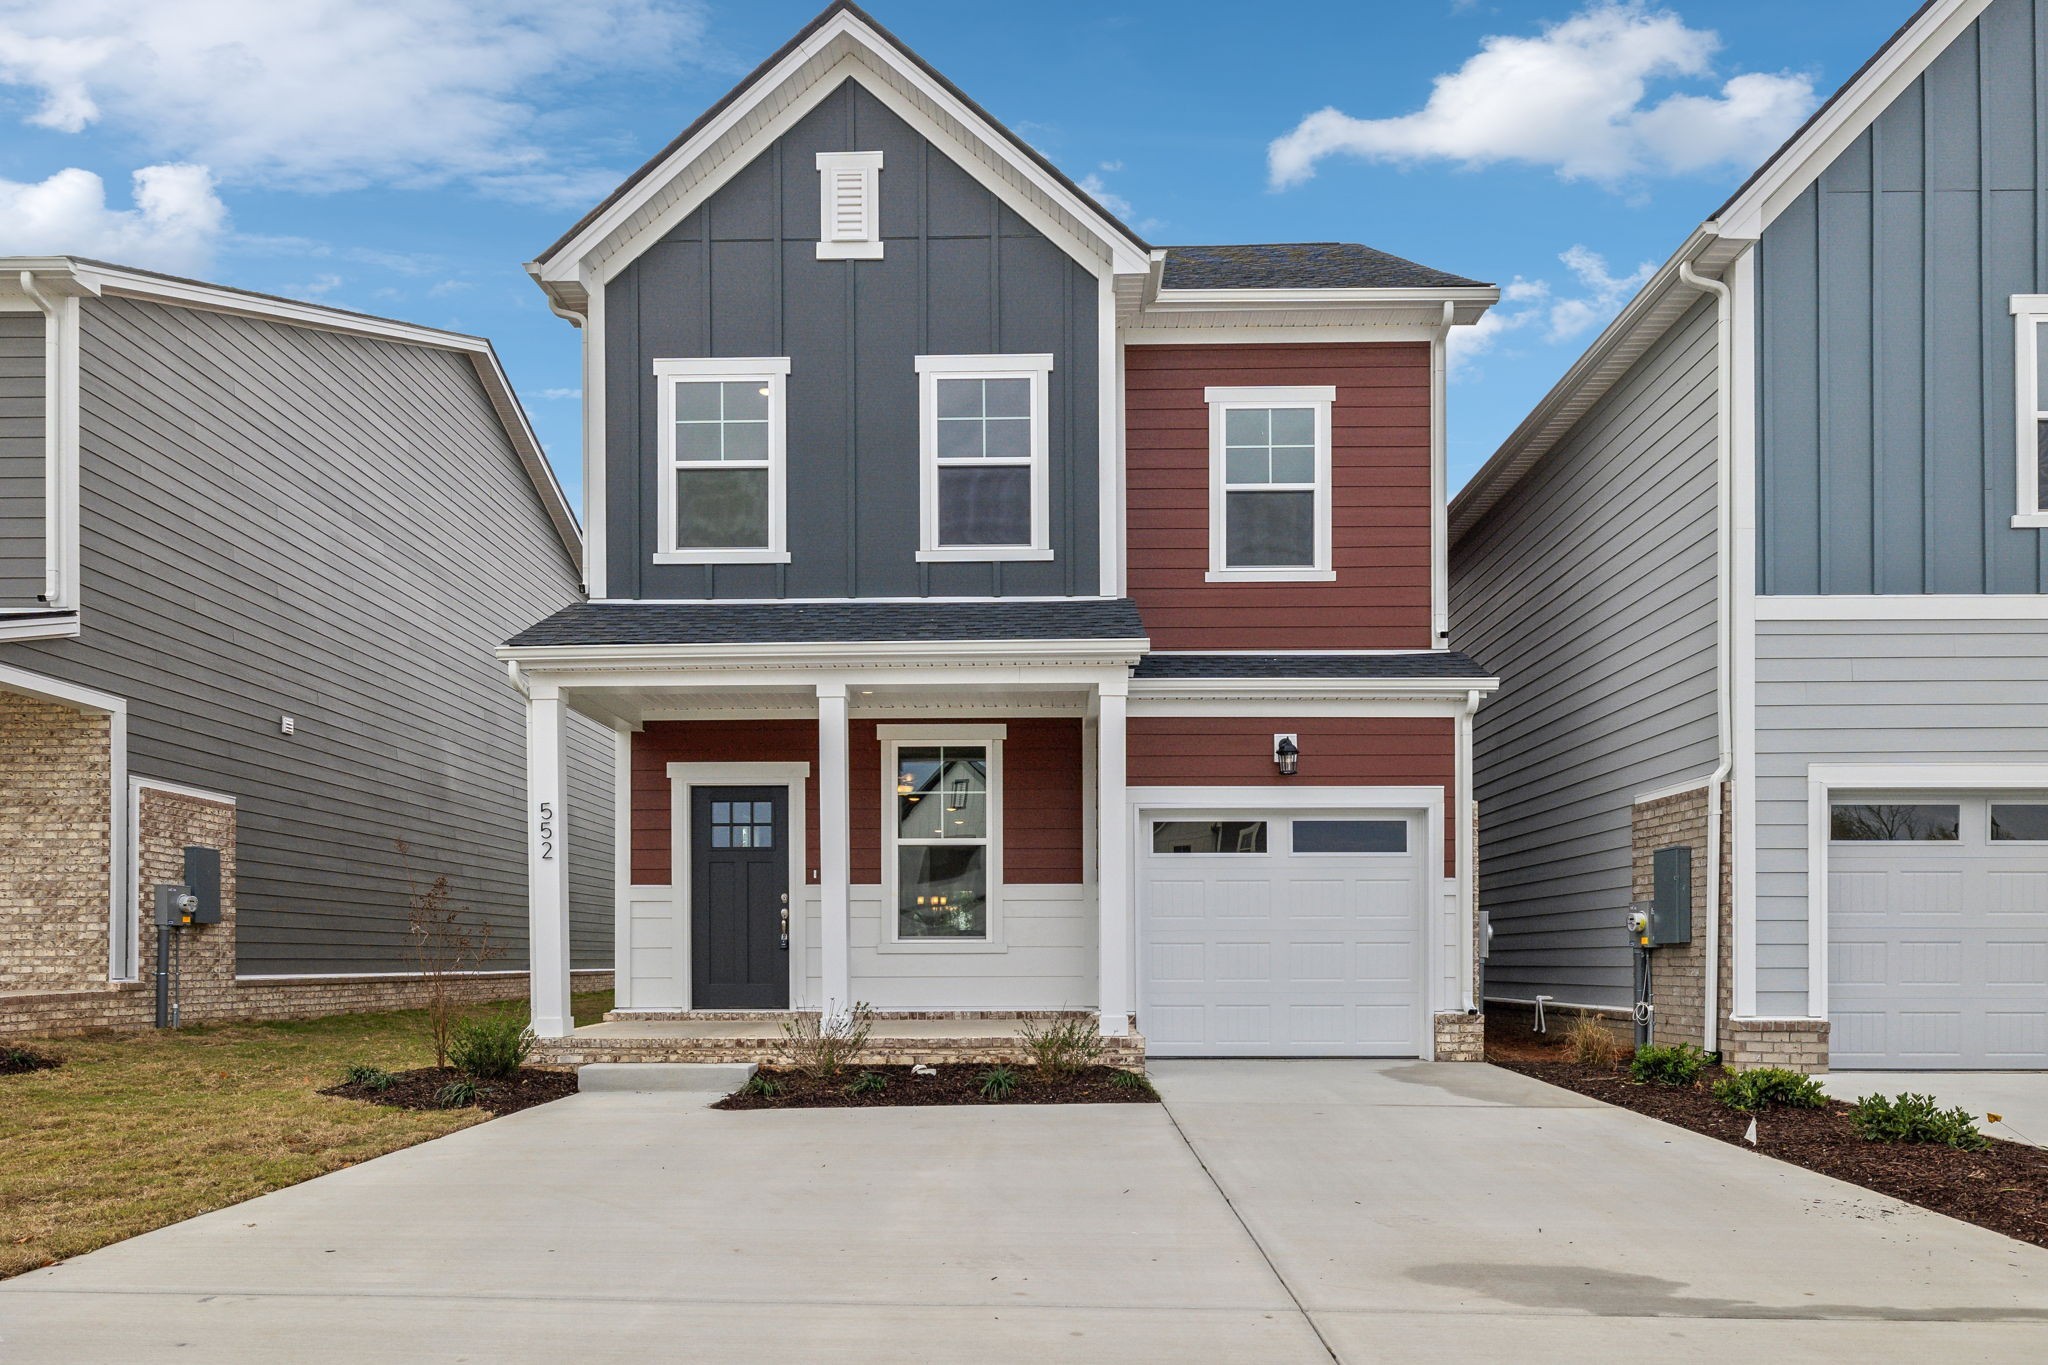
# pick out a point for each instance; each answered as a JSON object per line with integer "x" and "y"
{"x": 739, "y": 897}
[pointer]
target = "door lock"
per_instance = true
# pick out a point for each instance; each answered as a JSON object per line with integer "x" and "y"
{"x": 785, "y": 921}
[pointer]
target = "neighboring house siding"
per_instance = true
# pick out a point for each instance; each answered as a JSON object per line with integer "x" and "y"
{"x": 1885, "y": 374}
{"x": 1895, "y": 692}
{"x": 22, "y": 505}
{"x": 962, "y": 274}
{"x": 280, "y": 521}
{"x": 1380, "y": 509}
{"x": 1590, "y": 593}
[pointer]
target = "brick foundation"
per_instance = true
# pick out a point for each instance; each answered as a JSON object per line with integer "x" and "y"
{"x": 1460, "y": 1037}
{"x": 56, "y": 808}
{"x": 1678, "y": 972}
{"x": 1126, "y": 1052}
{"x": 1796, "y": 1044}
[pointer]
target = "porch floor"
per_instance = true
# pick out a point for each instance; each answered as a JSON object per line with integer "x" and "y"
{"x": 891, "y": 1042}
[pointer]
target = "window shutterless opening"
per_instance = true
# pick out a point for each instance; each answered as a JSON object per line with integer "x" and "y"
{"x": 2030, "y": 389}
{"x": 984, "y": 474}
{"x": 1269, "y": 483}
{"x": 942, "y": 840}
{"x": 722, "y": 461}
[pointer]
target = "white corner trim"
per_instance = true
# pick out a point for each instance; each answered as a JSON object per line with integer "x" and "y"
{"x": 1904, "y": 607}
{"x": 157, "y": 784}
{"x": 1742, "y": 601}
{"x": 622, "y": 868}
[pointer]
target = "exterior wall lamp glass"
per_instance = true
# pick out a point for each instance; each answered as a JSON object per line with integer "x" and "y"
{"x": 1286, "y": 754}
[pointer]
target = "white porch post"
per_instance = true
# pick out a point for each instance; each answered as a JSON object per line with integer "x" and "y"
{"x": 547, "y": 864}
{"x": 1112, "y": 862}
{"x": 834, "y": 843}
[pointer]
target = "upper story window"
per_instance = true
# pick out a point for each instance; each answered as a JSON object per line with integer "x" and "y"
{"x": 849, "y": 210}
{"x": 2030, "y": 354}
{"x": 983, "y": 444}
{"x": 723, "y": 466}
{"x": 1269, "y": 484}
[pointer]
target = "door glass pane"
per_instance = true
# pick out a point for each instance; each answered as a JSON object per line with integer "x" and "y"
{"x": 942, "y": 891}
{"x": 1208, "y": 836}
{"x": 985, "y": 506}
{"x": 1267, "y": 530}
{"x": 1350, "y": 836}
{"x": 2026, "y": 821}
{"x": 721, "y": 509}
{"x": 1885, "y": 822}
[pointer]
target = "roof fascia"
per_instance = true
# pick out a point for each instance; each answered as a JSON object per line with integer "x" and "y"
{"x": 832, "y": 653}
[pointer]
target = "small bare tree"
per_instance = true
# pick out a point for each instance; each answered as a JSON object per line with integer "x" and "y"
{"x": 446, "y": 944}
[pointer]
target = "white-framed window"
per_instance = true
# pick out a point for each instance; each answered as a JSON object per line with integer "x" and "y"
{"x": 2030, "y": 375}
{"x": 1269, "y": 484}
{"x": 723, "y": 461}
{"x": 849, "y": 211}
{"x": 983, "y": 481}
{"x": 942, "y": 853}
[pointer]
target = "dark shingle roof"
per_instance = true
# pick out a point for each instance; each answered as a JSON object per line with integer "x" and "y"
{"x": 1426, "y": 665}
{"x": 718, "y": 623}
{"x": 1299, "y": 265}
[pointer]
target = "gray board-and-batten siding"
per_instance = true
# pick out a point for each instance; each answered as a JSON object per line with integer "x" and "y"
{"x": 1590, "y": 593}
{"x": 280, "y": 521}
{"x": 961, "y": 274}
{"x": 1885, "y": 390}
{"x": 22, "y": 460}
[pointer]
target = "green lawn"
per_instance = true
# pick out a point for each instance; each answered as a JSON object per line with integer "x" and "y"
{"x": 137, "y": 1130}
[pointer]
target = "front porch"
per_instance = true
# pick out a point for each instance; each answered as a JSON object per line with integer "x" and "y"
{"x": 931, "y": 1037}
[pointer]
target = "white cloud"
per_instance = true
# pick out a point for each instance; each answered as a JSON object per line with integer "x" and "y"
{"x": 1604, "y": 294}
{"x": 561, "y": 393}
{"x": 328, "y": 94}
{"x": 176, "y": 221}
{"x": 1575, "y": 98}
{"x": 1595, "y": 295}
{"x": 1099, "y": 190}
{"x": 319, "y": 286}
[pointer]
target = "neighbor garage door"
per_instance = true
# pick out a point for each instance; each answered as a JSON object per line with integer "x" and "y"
{"x": 1938, "y": 932}
{"x": 1281, "y": 934}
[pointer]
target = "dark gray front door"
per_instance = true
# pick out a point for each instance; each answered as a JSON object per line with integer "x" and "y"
{"x": 739, "y": 891}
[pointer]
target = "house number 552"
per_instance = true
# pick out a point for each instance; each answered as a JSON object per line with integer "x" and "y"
{"x": 546, "y": 830}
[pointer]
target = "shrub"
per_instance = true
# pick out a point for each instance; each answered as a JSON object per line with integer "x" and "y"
{"x": 1915, "y": 1118}
{"x": 369, "y": 1077}
{"x": 1131, "y": 1080}
{"x": 1768, "y": 1087}
{"x": 491, "y": 1047}
{"x": 762, "y": 1084}
{"x": 17, "y": 1061}
{"x": 1677, "y": 1065}
{"x": 998, "y": 1083}
{"x": 821, "y": 1046}
{"x": 456, "y": 1094}
{"x": 445, "y": 943}
{"x": 868, "y": 1083}
{"x": 1064, "y": 1047}
{"x": 1592, "y": 1042}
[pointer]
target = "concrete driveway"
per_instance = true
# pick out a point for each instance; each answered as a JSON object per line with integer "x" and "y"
{"x": 1270, "y": 1212}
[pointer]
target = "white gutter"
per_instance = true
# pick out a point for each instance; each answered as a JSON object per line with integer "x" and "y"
{"x": 54, "y": 522}
{"x": 1465, "y": 844}
{"x": 1439, "y": 479}
{"x": 1724, "y": 644}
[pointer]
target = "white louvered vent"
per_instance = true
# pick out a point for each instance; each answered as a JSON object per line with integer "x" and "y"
{"x": 849, "y": 216}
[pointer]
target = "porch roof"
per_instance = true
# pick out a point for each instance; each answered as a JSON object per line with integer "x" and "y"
{"x": 851, "y": 622}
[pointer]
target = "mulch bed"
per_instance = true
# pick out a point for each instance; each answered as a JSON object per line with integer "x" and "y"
{"x": 523, "y": 1089}
{"x": 953, "y": 1083}
{"x": 2004, "y": 1188}
{"x": 19, "y": 1061}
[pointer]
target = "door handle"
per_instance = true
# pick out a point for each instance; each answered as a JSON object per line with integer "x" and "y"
{"x": 785, "y": 921}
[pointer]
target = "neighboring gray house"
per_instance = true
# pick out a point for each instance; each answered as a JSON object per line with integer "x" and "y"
{"x": 1776, "y": 547}
{"x": 254, "y": 557}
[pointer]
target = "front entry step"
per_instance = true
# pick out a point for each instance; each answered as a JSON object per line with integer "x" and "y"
{"x": 716, "y": 1079}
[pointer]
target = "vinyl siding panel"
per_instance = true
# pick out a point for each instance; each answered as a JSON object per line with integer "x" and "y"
{"x": 281, "y": 521}
{"x": 1590, "y": 593}
{"x": 22, "y": 460}
{"x": 1885, "y": 376}
{"x": 1873, "y": 692}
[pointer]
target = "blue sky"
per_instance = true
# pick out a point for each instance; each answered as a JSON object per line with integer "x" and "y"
{"x": 404, "y": 157}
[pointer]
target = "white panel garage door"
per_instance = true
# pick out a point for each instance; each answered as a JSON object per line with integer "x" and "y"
{"x": 1938, "y": 932}
{"x": 1269, "y": 934}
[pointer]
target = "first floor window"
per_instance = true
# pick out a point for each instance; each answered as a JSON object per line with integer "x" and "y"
{"x": 722, "y": 460}
{"x": 1269, "y": 477}
{"x": 2030, "y": 357}
{"x": 942, "y": 839}
{"x": 983, "y": 457}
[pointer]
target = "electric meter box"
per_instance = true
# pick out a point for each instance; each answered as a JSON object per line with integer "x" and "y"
{"x": 1671, "y": 905}
{"x": 202, "y": 879}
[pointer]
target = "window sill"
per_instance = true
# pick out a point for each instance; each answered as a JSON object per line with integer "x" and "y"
{"x": 2030, "y": 520}
{"x": 722, "y": 557}
{"x": 981, "y": 555}
{"x": 941, "y": 945}
{"x": 1271, "y": 576}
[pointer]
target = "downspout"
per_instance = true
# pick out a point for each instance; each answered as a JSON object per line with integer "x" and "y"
{"x": 1724, "y": 621}
{"x": 53, "y": 444}
{"x": 1468, "y": 873}
{"x": 1439, "y": 477}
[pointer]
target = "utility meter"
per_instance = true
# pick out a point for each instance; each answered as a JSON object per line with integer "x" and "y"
{"x": 1639, "y": 927}
{"x": 175, "y": 906}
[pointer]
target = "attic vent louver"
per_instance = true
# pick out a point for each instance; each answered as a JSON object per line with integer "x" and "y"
{"x": 849, "y": 217}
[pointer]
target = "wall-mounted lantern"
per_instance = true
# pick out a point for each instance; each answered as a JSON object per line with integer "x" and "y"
{"x": 1286, "y": 754}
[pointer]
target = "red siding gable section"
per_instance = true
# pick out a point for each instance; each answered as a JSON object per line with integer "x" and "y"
{"x": 1380, "y": 514}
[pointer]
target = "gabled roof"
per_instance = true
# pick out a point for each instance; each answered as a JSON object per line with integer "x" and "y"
{"x": 83, "y": 276}
{"x": 1299, "y": 265}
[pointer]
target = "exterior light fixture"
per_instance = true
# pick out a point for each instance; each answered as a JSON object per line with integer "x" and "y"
{"x": 1286, "y": 754}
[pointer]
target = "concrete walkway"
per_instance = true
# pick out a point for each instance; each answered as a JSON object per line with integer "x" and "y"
{"x": 1271, "y": 1212}
{"x": 2019, "y": 1098}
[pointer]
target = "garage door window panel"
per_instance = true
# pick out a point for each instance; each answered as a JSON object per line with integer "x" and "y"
{"x": 2019, "y": 822}
{"x": 1350, "y": 836}
{"x": 1208, "y": 836}
{"x": 1894, "y": 822}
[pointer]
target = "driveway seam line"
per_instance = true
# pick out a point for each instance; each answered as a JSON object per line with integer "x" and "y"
{"x": 1264, "y": 1255}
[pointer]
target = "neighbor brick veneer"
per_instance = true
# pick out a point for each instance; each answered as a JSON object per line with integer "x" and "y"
{"x": 1460, "y": 1037}
{"x": 56, "y": 807}
{"x": 1678, "y": 972}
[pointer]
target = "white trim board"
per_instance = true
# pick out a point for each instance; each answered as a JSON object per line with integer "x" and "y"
{"x": 1904, "y": 607}
{"x": 684, "y": 776}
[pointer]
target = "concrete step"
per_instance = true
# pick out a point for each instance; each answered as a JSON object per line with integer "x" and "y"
{"x": 713, "y": 1080}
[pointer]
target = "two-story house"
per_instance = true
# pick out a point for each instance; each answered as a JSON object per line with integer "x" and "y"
{"x": 998, "y": 613}
{"x": 255, "y": 555}
{"x": 1764, "y": 575}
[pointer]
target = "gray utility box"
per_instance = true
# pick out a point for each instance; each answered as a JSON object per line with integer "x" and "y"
{"x": 202, "y": 878}
{"x": 1671, "y": 906}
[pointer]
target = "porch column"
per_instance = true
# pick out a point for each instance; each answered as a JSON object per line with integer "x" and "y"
{"x": 834, "y": 843}
{"x": 547, "y": 864}
{"x": 1112, "y": 862}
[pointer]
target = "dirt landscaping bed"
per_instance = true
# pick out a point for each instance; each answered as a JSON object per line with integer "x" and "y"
{"x": 19, "y": 1061}
{"x": 423, "y": 1089}
{"x": 951, "y": 1083}
{"x": 2003, "y": 1188}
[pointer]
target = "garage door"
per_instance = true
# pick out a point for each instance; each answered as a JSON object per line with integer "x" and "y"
{"x": 1938, "y": 932}
{"x": 1281, "y": 934}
